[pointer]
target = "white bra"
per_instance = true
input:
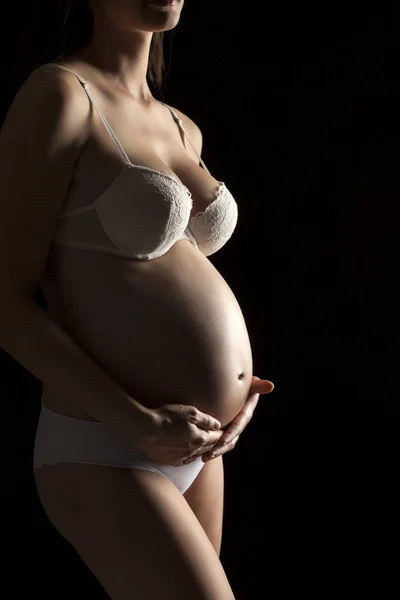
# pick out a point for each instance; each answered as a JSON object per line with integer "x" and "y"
{"x": 144, "y": 212}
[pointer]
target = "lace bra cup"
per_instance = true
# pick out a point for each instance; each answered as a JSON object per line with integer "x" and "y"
{"x": 147, "y": 223}
{"x": 144, "y": 212}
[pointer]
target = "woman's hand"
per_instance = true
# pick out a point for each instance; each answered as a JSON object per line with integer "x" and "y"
{"x": 175, "y": 432}
{"x": 232, "y": 432}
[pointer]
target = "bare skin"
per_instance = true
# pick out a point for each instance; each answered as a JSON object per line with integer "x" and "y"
{"x": 135, "y": 531}
{"x": 115, "y": 308}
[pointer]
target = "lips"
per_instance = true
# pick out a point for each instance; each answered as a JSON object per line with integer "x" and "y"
{"x": 162, "y": 2}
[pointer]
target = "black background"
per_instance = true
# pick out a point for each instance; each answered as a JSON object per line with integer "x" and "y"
{"x": 299, "y": 109}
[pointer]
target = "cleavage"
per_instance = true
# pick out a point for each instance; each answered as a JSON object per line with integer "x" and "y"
{"x": 166, "y": 150}
{"x": 201, "y": 184}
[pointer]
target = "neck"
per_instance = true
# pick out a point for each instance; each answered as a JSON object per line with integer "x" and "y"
{"x": 122, "y": 56}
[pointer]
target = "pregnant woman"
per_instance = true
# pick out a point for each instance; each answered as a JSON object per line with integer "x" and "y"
{"x": 144, "y": 355}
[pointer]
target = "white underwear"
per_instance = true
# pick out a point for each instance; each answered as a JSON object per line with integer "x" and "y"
{"x": 64, "y": 439}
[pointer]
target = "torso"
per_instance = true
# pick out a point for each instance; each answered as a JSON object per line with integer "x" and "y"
{"x": 169, "y": 329}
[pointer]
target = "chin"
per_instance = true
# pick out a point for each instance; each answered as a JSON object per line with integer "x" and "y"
{"x": 162, "y": 17}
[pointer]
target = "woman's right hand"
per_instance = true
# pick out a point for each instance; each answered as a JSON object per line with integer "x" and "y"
{"x": 177, "y": 431}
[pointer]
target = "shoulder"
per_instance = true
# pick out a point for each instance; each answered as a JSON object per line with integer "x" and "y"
{"x": 61, "y": 110}
{"x": 192, "y": 129}
{"x": 60, "y": 85}
{"x": 47, "y": 80}
{"x": 52, "y": 92}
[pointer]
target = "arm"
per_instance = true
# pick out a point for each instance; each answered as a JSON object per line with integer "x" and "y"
{"x": 37, "y": 158}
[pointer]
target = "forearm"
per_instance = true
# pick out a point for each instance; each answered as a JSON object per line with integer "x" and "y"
{"x": 34, "y": 340}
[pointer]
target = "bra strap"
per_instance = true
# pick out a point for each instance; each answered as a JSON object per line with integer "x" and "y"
{"x": 116, "y": 141}
{"x": 180, "y": 123}
{"x": 85, "y": 86}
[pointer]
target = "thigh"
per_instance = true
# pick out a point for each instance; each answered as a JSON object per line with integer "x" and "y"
{"x": 206, "y": 498}
{"x": 135, "y": 532}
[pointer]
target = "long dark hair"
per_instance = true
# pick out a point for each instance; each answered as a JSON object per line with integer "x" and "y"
{"x": 54, "y": 29}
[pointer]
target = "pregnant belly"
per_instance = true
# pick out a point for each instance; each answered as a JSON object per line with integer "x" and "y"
{"x": 168, "y": 330}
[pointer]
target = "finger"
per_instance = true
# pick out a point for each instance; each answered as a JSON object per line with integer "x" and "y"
{"x": 251, "y": 403}
{"x": 220, "y": 451}
{"x": 261, "y": 386}
{"x": 209, "y": 438}
{"x": 248, "y": 408}
{"x": 208, "y": 448}
{"x": 204, "y": 421}
{"x": 204, "y": 450}
{"x": 234, "y": 431}
{"x": 237, "y": 426}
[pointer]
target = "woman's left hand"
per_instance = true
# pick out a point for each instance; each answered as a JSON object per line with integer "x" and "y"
{"x": 231, "y": 434}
